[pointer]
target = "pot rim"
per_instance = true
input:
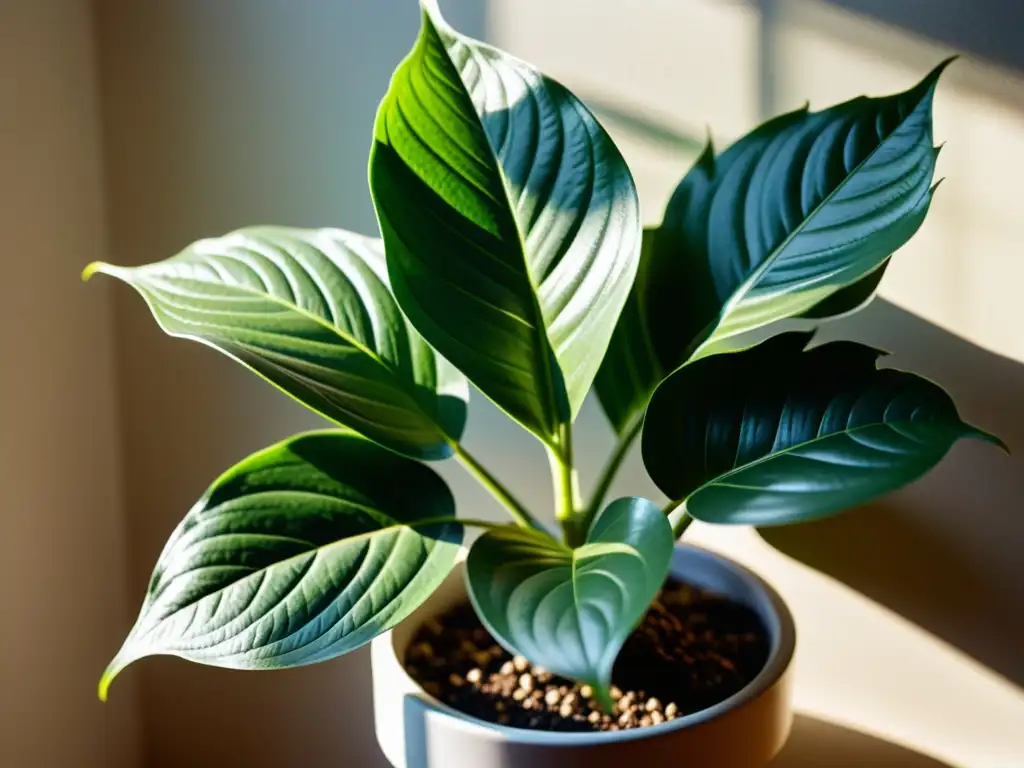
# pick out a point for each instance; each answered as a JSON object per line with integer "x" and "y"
{"x": 766, "y": 602}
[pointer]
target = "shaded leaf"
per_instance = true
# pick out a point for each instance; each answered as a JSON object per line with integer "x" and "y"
{"x": 570, "y": 610}
{"x": 774, "y": 434}
{"x": 631, "y": 369}
{"x": 510, "y": 219}
{"x": 311, "y": 312}
{"x": 299, "y": 553}
{"x": 850, "y": 299}
{"x": 796, "y": 219}
{"x": 802, "y": 207}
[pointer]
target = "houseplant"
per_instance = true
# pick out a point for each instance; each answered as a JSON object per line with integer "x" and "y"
{"x": 512, "y": 256}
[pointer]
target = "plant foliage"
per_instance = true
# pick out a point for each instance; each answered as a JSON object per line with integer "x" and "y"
{"x": 512, "y": 256}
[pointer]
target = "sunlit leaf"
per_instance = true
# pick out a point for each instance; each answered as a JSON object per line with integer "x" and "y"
{"x": 299, "y": 553}
{"x": 510, "y": 221}
{"x": 570, "y": 610}
{"x": 808, "y": 204}
{"x": 796, "y": 219}
{"x": 311, "y": 312}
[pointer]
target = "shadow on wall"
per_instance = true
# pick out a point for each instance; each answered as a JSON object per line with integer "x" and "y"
{"x": 660, "y": 132}
{"x": 814, "y": 743}
{"x": 988, "y": 28}
{"x": 944, "y": 552}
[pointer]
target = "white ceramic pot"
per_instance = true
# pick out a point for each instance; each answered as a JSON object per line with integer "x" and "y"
{"x": 417, "y": 731}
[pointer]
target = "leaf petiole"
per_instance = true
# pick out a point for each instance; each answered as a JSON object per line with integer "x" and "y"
{"x": 496, "y": 488}
{"x": 566, "y": 487}
{"x": 680, "y": 523}
{"x": 676, "y": 513}
{"x": 611, "y": 469}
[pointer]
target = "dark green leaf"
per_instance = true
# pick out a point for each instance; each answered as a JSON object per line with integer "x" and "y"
{"x": 850, "y": 299}
{"x": 774, "y": 434}
{"x": 569, "y": 610}
{"x": 311, "y": 312}
{"x": 299, "y": 553}
{"x": 510, "y": 220}
{"x": 804, "y": 206}
{"x": 630, "y": 370}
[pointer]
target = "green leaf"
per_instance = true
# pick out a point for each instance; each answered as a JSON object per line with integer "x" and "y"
{"x": 796, "y": 219}
{"x": 850, "y": 299}
{"x": 631, "y": 369}
{"x": 571, "y": 610}
{"x": 510, "y": 220}
{"x": 310, "y": 311}
{"x": 299, "y": 553}
{"x": 799, "y": 209}
{"x": 774, "y": 434}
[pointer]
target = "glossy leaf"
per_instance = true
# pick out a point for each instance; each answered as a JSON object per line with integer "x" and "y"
{"x": 631, "y": 368}
{"x": 799, "y": 217}
{"x": 569, "y": 610}
{"x": 811, "y": 202}
{"x": 850, "y": 299}
{"x": 301, "y": 552}
{"x": 774, "y": 434}
{"x": 510, "y": 221}
{"x": 311, "y": 312}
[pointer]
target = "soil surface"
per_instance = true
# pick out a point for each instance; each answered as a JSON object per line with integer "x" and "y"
{"x": 692, "y": 650}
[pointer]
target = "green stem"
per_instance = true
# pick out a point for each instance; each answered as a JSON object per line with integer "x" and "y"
{"x": 566, "y": 486}
{"x": 488, "y": 524}
{"x": 496, "y": 488}
{"x": 678, "y": 517}
{"x": 611, "y": 469}
{"x": 681, "y": 525}
{"x": 672, "y": 506}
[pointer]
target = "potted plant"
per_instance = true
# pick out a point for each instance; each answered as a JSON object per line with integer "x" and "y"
{"x": 512, "y": 256}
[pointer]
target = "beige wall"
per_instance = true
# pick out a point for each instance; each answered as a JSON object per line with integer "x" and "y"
{"x": 62, "y": 543}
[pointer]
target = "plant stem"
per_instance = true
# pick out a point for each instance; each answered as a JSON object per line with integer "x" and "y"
{"x": 681, "y": 525}
{"x": 678, "y": 517}
{"x": 611, "y": 469}
{"x": 496, "y": 488}
{"x": 566, "y": 486}
{"x": 488, "y": 524}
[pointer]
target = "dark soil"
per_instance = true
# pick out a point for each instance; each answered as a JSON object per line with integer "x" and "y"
{"x": 693, "y": 650}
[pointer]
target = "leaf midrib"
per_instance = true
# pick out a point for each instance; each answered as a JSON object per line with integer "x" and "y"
{"x": 314, "y": 552}
{"x": 776, "y": 454}
{"x": 127, "y": 275}
{"x": 539, "y": 325}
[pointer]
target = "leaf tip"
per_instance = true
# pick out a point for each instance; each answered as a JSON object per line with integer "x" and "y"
{"x": 92, "y": 268}
{"x": 941, "y": 66}
{"x": 929, "y": 81}
{"x": 988, "y": 437}
{"x": 119, "y": 662}
{"x": 706, "y": 159}
{"x": 935, "y": 186}
{"x": 103, "y": 688}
